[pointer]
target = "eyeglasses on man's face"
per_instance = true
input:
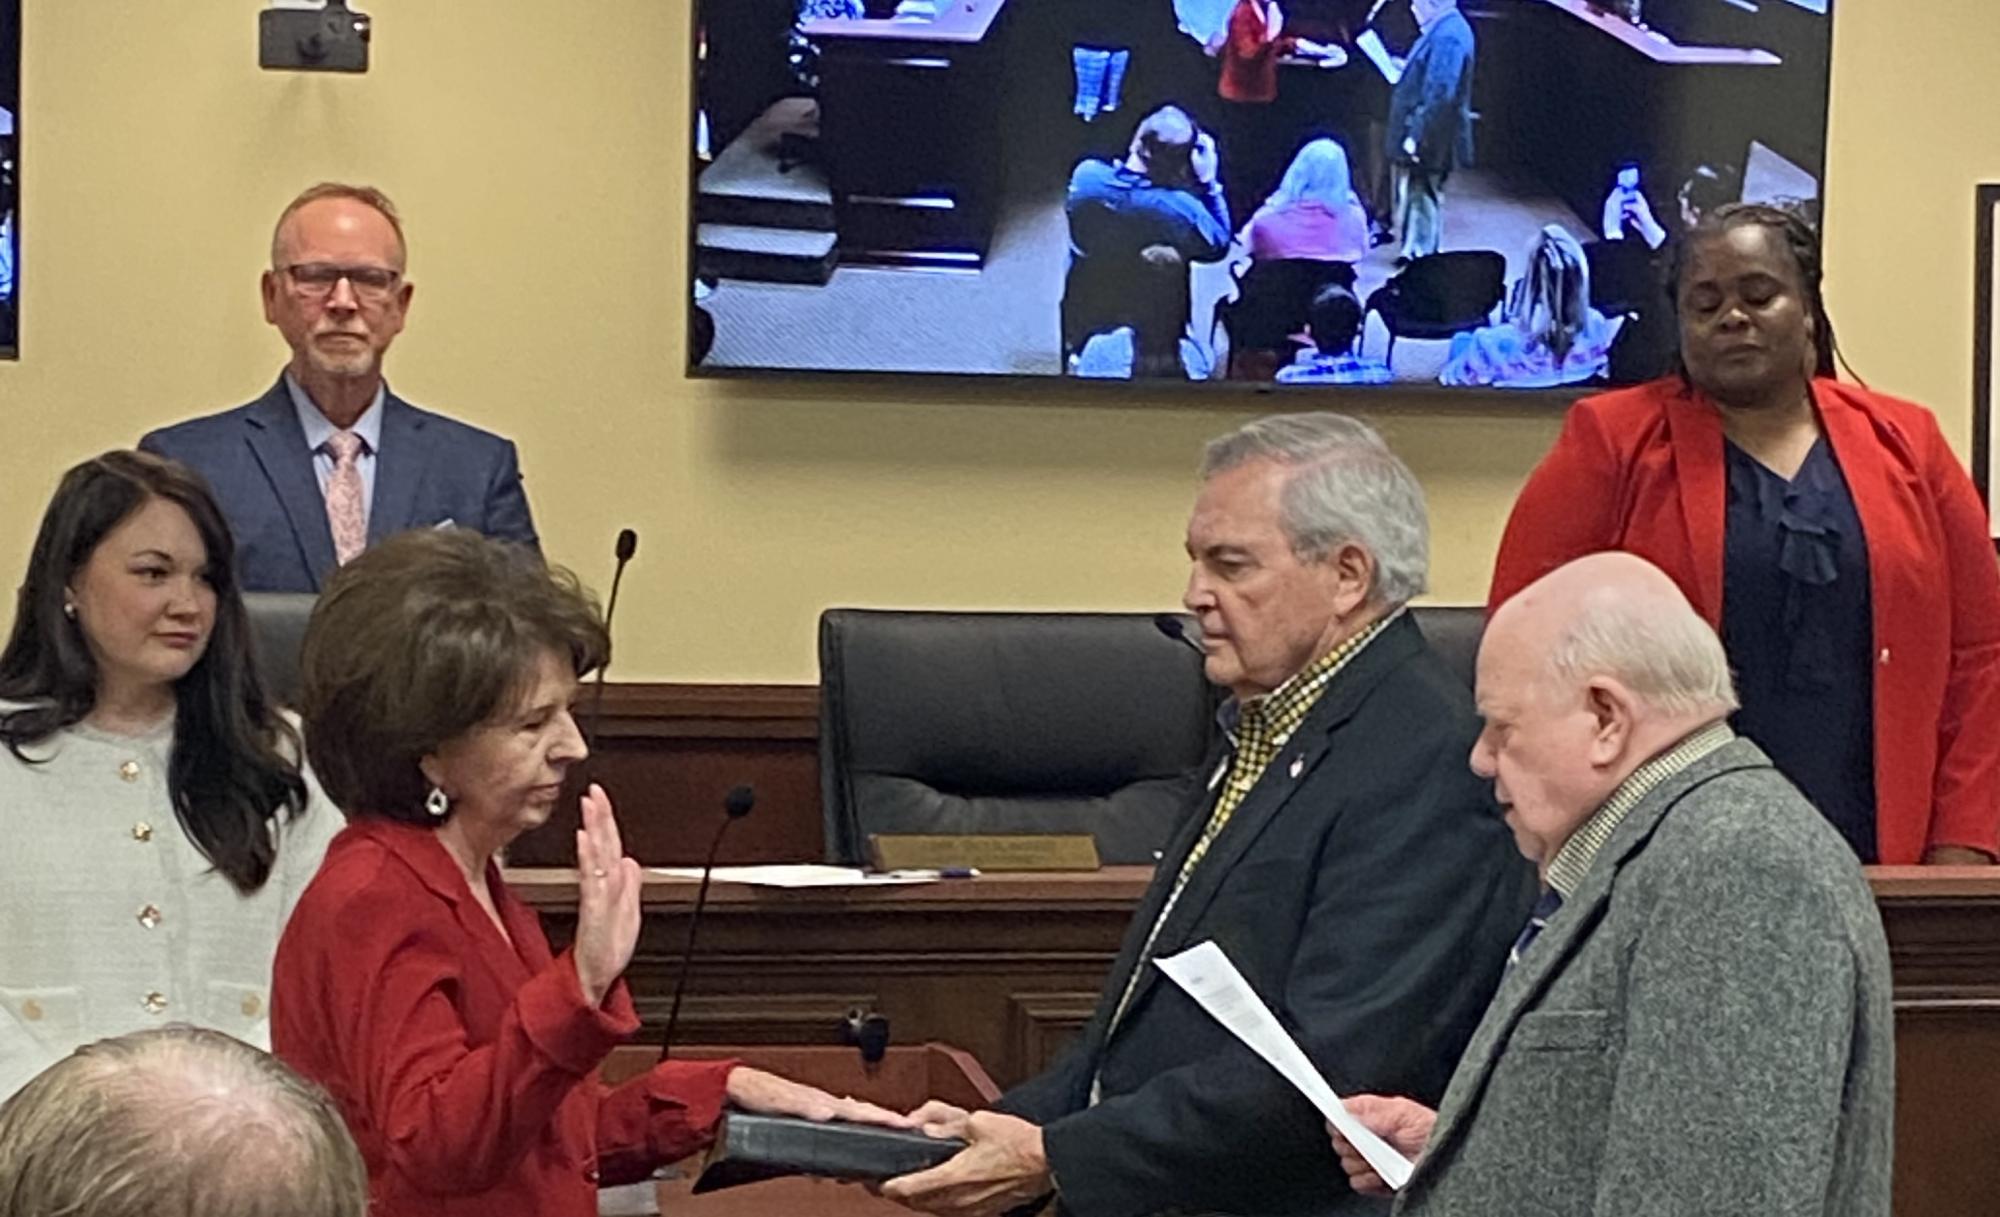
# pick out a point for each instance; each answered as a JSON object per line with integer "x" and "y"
{"x": 316, "y": 280}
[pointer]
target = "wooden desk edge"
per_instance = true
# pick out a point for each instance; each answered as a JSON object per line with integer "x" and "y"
{"x": 957, "y": 21}
{"x": 555, "y": 887}
{"x": 1120, "y": 886}
{"x": 1918, "y": 884}
{"x": 1665, "y": 52}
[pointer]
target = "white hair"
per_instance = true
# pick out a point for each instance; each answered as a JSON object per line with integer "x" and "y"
{"x": 176, "y": 1121}
{"x": 1665, "y": 654}
{"x": 1319, "y": 173}
{"x": 1345, "y": 488}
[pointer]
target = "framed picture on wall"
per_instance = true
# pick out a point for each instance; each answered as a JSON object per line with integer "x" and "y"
{"x": 1098, "y": 190}
{"x": 10, "y": 143}
{"x": 1985, "y": 373}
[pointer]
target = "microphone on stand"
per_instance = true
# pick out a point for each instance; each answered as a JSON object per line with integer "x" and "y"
{"x": 1176, "y": 629}
{"x": 735, "y": 805}
{"x": 628, "y": 544}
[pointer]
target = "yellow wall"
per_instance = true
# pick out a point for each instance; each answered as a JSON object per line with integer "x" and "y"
{"x": 536, "y": 151}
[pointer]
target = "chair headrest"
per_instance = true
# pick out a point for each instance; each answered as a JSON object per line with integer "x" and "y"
{"x": 277, "y": 634}
{"x": 1011, "y": 703}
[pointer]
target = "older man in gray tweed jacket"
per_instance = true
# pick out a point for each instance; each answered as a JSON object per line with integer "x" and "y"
{"x": 1697, "y": 1020}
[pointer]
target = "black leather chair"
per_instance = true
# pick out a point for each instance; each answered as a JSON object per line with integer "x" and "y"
{"x": 1439, "y": 295}
{"x": 1623, "y": 277}
{"x": 1097, "y": 296}
{"x": 277, "y": 631}
{"x": 1453, "y": 630}
{"x": 1271, "y": 304}
{"x": 1007, "y": 723}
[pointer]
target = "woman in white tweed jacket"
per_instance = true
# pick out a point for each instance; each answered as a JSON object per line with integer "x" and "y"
{"x": 157, "y": 821}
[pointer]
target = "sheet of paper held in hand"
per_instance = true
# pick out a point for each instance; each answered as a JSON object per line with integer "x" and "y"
{"x": 1215, "y": 984}
{"x": 1369, "y": 43}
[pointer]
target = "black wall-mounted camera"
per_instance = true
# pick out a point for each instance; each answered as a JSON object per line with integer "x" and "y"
{"x": 330, "y": 39}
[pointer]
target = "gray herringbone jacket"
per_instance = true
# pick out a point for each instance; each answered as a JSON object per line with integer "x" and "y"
{"x": 1703, "y": 1029}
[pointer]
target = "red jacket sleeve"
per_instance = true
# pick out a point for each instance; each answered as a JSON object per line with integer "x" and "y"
{"x": 1966, "y": 790}
{"x": 663, "y": 1115}
{"x": 1246, "y": 32}
{"x": 1248, "y": 37}
{"x": 1568, "y": 509}
{"x": 457, "y": 1118}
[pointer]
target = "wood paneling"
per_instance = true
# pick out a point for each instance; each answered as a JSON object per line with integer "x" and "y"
{"x": 1042, "y": 1025}
{"x": 1944, "y": 941}
{"x": 668, "y": 754}
{"x": 1006, "y": 967}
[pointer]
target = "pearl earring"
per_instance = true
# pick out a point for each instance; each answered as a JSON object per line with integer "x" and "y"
{"x": 69, "y": 609}
{"x": 437, "y": 803}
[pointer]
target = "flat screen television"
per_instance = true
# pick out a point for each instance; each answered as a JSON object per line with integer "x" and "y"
{"x": 10, "y": 165}
{"x": 1476, "y": 194}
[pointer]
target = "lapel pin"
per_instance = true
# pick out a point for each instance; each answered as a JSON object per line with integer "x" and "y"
{"x": 1298, "y": 767}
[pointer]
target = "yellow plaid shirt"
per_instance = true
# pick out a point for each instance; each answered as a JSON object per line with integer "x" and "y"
{"x": 1264, "y": 725}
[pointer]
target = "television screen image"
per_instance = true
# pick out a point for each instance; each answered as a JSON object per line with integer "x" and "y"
{"x": 1478, "y": 194}
{"x": 10, "y": 235}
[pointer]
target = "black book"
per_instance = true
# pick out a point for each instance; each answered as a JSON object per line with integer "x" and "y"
{"x": 751, "y": 1148}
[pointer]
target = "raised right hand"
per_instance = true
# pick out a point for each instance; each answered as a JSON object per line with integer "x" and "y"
{"x": 607, "y": 907}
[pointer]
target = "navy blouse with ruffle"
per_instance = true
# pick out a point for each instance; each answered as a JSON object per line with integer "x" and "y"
{"x": 1797, "y": 626}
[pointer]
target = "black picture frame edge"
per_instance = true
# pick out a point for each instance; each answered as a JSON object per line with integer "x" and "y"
{"x": 1414, "y": 397}
{"x": 1064, "y": 390}
{"x": 10, "y": 352}
{"x": 1986, "y": 198}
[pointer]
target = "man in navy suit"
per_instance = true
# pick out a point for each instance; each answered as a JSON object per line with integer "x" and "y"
{"x": 329, "y": 461}
{"x": 1430, "y": 122}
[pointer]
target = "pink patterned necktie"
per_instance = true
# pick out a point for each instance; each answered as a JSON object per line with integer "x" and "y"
{"x": 344, "y": 512}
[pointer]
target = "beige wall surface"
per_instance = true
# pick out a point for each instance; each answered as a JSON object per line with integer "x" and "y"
{"x": 537, "y": 152}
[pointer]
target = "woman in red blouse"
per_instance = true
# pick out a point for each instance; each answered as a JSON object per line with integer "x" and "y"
{"x": 1826, "y": 531}
{"x": 1251, "y": 45}
{"x": 438, "y": 673}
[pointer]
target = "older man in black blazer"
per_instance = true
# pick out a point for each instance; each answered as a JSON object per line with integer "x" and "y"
{"x": 1339, "y": 852}
{"x": 328, "y": 461}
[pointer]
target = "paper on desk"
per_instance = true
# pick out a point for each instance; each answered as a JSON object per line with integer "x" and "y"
{"x": 1369, "y": 43}
{"x": 1215, "y": 984}
{"x": 805, "y": 875}
{"x": 629, "y": 1200}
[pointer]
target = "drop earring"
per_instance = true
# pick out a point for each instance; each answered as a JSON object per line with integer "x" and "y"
{"x": 437, "y": 803}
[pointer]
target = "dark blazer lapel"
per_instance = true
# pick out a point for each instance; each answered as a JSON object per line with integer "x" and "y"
{"x": 279, "y": 444}
{"x": 1148, "y": 912}
{"x": 1213, "y": 768}
{"x": 1567, "y": 932}
{"x": 1288, "y": 770}
{"x": 1695, "y": 428}
{"x": 399, "y": 470}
